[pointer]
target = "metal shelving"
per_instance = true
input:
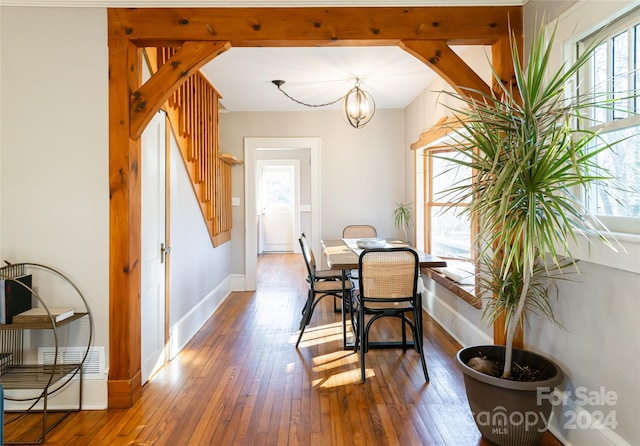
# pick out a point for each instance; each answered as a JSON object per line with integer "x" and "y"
{"x": 30, "y": 385}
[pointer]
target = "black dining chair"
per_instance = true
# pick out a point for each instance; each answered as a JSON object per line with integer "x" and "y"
{"x": 320, "y": 274}
{"x": 321, "y": 288}
{"x": 388, "y": 288}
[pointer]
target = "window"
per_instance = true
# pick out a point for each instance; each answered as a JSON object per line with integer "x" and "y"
{"x": 614, "y": 73}
{"x": 449, "y": 233}
{"x": 442, "y": 228}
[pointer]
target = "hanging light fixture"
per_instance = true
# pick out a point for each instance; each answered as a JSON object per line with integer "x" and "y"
{"x": 358, "y": 106}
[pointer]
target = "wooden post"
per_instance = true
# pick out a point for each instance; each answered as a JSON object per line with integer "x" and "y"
{"x": 502, "y": 61}
{"x": 124, "y": 222}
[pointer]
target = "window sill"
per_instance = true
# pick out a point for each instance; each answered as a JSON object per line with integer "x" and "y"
{"x": 465, "y": 292}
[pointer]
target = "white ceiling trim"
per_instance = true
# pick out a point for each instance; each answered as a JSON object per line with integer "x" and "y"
{"x": 254, "y": 3}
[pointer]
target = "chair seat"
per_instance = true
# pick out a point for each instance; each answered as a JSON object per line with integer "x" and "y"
{"x": 327, "y": 286}
{"x": 380, "y": 306}
{"x": 328, "y": 274}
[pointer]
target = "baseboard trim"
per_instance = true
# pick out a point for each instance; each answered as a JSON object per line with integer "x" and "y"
{"x": 183, "y": 330}
{"x": 459, "y": 327}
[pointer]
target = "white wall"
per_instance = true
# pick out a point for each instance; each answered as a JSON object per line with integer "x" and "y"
{"x": 54, "y": 185}
{"x": 199, "y": 273}
{"x": 359, "y": 167}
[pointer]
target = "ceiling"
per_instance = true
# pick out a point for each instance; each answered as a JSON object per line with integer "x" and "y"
{"x": 316, "y": 75}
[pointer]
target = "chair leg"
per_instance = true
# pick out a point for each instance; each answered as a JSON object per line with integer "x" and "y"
{"x": 417, "y": 340}
{"x": 404, "y": 334}
{"x": 362, "y": 341}
{"x": 306, "y": 316}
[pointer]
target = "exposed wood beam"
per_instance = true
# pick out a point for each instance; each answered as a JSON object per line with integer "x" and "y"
{"x": 444, "y": 61}
{"x": 148, "y": 99}
{"x": 315, "y": 26}
{"x": 124, "y": 224}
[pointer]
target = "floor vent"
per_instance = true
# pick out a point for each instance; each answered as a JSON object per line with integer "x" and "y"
{"x": 93, "y": 367}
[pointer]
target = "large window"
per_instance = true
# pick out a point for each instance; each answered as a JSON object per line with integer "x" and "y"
{"x": 614, "y": 73}
{"x": 443, "y": 227}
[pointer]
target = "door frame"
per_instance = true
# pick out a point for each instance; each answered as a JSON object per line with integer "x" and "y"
{"x": 296, "y": 198}
{"x": 251, "y": 146}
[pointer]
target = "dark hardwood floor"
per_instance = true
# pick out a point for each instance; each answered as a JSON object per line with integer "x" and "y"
{"x": 241, "y": 381}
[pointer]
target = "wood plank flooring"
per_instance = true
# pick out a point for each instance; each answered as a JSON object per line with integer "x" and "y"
{"x": 241, "y": 381}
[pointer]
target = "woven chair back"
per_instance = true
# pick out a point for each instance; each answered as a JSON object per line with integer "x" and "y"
{"x": 388, "y": 273}
{"x": 359, "y": 231}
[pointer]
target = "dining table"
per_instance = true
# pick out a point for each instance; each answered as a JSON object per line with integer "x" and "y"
{"x": 343, "y": 255}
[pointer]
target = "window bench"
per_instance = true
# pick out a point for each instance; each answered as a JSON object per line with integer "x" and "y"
{"x": 464, "y": 289}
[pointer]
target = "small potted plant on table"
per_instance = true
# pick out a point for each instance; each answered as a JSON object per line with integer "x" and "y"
{"x": 403, "y": 218}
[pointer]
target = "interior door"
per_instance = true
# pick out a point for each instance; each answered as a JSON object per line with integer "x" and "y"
{"x": 278, "y": 205}
{"x": 153, "y": 246}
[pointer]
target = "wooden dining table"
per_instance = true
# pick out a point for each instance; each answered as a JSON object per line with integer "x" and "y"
{"x": 343, "y": 255}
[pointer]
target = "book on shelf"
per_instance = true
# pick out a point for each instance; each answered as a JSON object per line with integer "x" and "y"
{"x": 39, "y": 314}
{"x": 15, "y": 297}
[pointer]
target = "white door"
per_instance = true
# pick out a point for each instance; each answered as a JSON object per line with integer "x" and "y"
{"x": 278, "y": 205}
{"x": 153, "y": 239}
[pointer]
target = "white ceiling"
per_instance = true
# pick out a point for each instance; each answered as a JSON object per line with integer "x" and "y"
{"x": 315, "y": 75}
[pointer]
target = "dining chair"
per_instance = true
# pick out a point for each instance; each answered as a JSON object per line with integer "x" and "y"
{"x": 320, "y": 274}
{"x": 359, "y": 231}
{"x": 388, "y": 288}
{"x": 319, "y": 289}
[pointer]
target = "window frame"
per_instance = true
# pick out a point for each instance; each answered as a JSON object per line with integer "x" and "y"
{"x": 577, "y": 23}
{"x": 607, "y": 32}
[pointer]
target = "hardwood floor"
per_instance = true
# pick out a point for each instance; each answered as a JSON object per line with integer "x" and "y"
{"x": 241, "y": 381}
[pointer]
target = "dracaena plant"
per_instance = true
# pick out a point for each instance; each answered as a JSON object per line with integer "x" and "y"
{"x": 531, "y": 163}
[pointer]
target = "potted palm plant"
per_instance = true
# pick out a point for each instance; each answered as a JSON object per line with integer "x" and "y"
{"x": 403, "y": 218}
{"x": 528, "y": 158}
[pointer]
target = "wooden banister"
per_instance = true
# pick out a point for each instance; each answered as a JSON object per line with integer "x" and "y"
{"x": 193, "y": 114}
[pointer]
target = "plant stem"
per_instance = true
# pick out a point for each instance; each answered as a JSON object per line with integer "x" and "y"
{"x": 514, "y": 322}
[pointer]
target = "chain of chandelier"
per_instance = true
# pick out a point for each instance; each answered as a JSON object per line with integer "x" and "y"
{"x": 358, "y": 106}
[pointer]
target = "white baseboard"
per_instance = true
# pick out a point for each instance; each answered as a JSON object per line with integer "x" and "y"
{"x": 183, "y": 330}
{"x": 94, "y": 397}
{"x": 573, "y": 425}
{"x": 459, "y": 327}
{"x": 238, "y": 282}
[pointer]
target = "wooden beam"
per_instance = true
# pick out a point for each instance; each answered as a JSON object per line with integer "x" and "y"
{"x": 328, "y": 26}
{"x": 148, "y": 99}
{"x": 124, "y": 225}
{"x": 444, "y": 61}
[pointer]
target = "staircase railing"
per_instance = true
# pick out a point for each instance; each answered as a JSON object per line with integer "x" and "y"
{"x": 193, "y": 115}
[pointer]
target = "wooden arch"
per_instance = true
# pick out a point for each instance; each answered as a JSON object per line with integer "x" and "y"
{"x": 203, "y": 33}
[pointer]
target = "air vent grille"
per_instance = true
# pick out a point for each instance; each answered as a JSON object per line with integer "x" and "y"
{"x": 93, "y": 367}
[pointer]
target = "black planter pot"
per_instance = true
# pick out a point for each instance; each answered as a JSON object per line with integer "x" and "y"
{"x": 509, "y": 413}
